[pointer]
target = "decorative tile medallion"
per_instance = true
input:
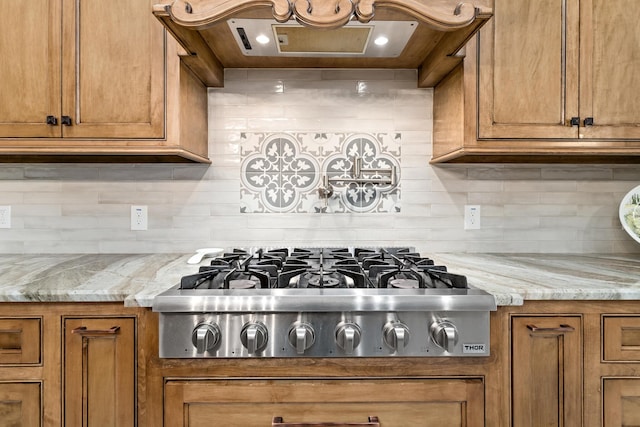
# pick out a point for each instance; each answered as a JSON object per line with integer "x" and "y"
{"x": 282, "y": 172}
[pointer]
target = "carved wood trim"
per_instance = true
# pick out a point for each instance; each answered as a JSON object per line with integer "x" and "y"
{"x": 445, "y": 15}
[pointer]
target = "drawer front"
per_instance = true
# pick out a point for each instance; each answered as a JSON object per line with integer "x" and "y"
{"x": 621, "y": 338}
{"x": 20, "y": 341}
{"x": 621, "y": 402}
{"x": 20, "y": 404}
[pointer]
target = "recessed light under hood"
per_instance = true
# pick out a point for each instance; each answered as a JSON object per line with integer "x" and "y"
{"x": 355, "y": 39}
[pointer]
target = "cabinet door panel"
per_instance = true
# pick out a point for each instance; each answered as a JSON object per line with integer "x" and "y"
{"x": 610, "y": 81}
{"x": 113, "y": 70}
{"x": 546, "y": 371}
{"x": 528, "y": 70}
{"x": 405, "y": 403}
{"x": 30, "y": 68}
{"x": 621, "y": 402}
{"x": 99, "y": 372}
{"x": 20, "y": 404}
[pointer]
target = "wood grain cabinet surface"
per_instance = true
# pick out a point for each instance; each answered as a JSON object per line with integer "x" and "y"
{"x": 69, "y": 364}
{"x": 546, "y": 371}
{"x": 81, "y": 79}
{"x": 317, "y": 402}
{"x": 621, "y": 406}
{"x": 20, "y": 341}
{"x": 99, "y": 372}
{"x": 547, "y": 81}
{"x": 20, "y": 404}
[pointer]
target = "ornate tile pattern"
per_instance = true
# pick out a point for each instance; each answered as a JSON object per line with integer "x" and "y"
{"x": 281, "y": 172}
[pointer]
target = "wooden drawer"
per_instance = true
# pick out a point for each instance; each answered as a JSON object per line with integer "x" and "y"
{"x": 621, "y": 338}
{"x": 20, "y": 341}
{"x": 20, "y": 404}
{"x": 621, "y": 402}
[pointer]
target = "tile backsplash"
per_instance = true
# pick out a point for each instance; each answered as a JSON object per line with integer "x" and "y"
{"x": 82, "y": 208}
{"x": 283, "y": 172}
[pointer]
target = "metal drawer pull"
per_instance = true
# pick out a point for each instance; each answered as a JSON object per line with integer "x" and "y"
{"x": 82, "y": 330}
{"x": 562, "y": 328}
{"x": 279, "y": 422}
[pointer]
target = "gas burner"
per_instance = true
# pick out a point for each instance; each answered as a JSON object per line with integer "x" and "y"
{"x": 323, "y": 280}
{"x": 243, "y": 284}
{"x": 404, "y": 283}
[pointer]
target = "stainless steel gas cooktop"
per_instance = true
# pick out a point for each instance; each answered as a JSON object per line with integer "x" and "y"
{"x": 323, "y": 302}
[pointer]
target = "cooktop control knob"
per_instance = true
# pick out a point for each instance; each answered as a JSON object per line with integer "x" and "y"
{"x": 396, "y": 335}
{"x": 205, "y": 337}
{"x": 348, "y": 336}
{"x": 301, "y": 336}
{"x": 254, "y": 336}
{"x": 444, "y": 334}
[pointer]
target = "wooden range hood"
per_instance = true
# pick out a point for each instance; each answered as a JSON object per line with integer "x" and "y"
{"x": 434, "y": 49}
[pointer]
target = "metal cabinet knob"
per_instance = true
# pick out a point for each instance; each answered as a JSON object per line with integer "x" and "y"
{"x": 444, "y": 334}
{"x": 205, "y": 337}
{"x": 396, "y": 335}
{"x": 348, "y": 336}
{"x": 301, "y": 336}
{"x": 254, "y": 337}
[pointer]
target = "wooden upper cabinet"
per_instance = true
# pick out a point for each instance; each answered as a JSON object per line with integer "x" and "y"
{"x": 528, "y": 70}
{"x": 543, "y": 64}
{"x": 82, "y": 81}
{"x": 111, "y": 81}
{"x": 112, "y": 70}
{"x": 610, "y": 60}
{"x": 545, "y": 81}
{"x": 30, "y": 68}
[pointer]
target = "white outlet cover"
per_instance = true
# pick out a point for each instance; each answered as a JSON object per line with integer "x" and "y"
{"x": 472, "y": 217}
{"x": 138, "y": 217}
{"x": 5, "y": 216}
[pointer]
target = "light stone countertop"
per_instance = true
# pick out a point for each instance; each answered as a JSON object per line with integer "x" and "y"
{"x": 136, "y": 278}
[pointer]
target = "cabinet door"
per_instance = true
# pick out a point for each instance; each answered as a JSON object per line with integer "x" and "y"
{"x": 99, "y": 372}
{"x": 610, "y": 60}
{"x": 30, "y": 68}
{"x": 546, "y": 371}
{"x": 396, "y": 403}
{"x": 20, "y": 404}
{"x": 113, "y": 70}
{"x": 528, "y": 70}
{"x": 621, "y": 406}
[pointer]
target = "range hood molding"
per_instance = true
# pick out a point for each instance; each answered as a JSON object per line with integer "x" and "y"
{"x": 451, "y": 23}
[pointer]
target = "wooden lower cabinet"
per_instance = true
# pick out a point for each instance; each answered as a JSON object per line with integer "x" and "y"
{"x": 69, "y": 364}
{"x": 20, "y": 404}
{"x": 310, "y": 401}
{"x": 621, "y": 402}
{"x": 546, "y": 371}
{"x": 99, "y": 371}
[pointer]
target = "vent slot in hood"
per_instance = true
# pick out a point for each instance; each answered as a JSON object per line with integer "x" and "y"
{"x": 219, "y": 34}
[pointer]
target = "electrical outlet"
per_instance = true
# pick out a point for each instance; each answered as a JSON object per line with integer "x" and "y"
{"x": 5, "y": 216}
{"x": 471, "y": 217}
{"x": 138, "y": 217}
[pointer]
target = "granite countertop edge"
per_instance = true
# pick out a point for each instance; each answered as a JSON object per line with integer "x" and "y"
{"x": 135, "y": 279}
